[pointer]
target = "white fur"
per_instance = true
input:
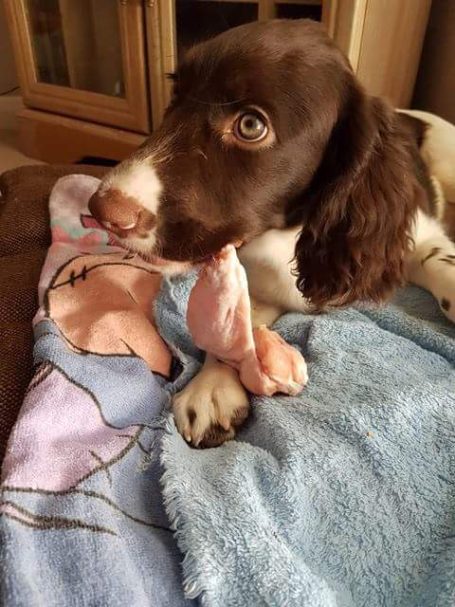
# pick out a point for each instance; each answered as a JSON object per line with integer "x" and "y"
{"x": 438, "y": 150}
{"x": 137, "y": 179}
{"x": 268, "y": 260}
{"x": 269, "y": 264}
{"x": 430, "y": 265}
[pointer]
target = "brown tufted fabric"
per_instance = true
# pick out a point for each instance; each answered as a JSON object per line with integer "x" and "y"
{"x": 24, "y": 239}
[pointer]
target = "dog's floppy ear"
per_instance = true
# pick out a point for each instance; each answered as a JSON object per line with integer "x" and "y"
{"x": 357, "y": 212}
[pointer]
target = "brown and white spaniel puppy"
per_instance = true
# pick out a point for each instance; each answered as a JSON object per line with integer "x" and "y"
{"x": 270, "y": 140}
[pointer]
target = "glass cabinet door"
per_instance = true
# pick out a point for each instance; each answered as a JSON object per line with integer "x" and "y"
{"x": 182, "y": 23}
{"x": 198, "y": 20}
{"x": 77, "y": 44}
{"x": 84, "y": 58}
{"x": 174, "y": 25}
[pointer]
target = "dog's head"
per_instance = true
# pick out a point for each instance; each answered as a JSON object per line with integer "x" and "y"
{"x": 268, "y": 128}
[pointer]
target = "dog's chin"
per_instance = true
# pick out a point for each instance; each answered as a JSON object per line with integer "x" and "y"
{"x": 164, "y": 266}
{"x": 173, "y": 268}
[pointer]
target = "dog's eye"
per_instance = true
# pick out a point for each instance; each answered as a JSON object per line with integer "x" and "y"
{"x": 250, "y": 127}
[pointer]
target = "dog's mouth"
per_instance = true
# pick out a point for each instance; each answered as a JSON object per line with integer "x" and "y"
{"x": 192, "y": 258}
{"x": 167, "y": 266}
{"x": 157, "y": 261}
{"x": 170, "y": 264}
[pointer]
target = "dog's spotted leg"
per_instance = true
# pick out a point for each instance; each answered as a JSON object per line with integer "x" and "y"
{"x": 212, "y": 406}
{"x": 431, "y": 265}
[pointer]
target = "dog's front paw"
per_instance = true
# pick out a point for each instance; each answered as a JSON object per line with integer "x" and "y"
{"x": 212, "y": 406}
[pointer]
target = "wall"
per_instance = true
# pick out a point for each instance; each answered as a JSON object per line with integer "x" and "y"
{"x": 435, "y": 85}
{"x": 8, "y": 78}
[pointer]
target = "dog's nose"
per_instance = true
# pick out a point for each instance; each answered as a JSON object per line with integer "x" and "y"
{"x": 115, "y": 211}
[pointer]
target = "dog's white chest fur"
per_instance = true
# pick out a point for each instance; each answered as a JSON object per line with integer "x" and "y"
{"x": 269, "y": 262}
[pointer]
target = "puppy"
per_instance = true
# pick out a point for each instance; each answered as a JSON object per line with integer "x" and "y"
{"x": 271, "y": 141}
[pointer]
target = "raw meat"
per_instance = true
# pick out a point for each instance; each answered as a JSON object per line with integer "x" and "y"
{"x": 219, "y": 319}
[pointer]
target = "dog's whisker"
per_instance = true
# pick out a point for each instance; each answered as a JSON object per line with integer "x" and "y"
{"x": 201, "y": 153}
{"x": 216, "y": 103}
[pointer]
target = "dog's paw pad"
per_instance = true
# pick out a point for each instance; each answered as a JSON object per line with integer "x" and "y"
{"x": 211, "y": 407}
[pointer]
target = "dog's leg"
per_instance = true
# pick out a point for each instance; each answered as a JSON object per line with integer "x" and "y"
{"x": 211, "y": 407}
{"x": 214, "y": 404}
{"x": 431, "y": 265}
{"x": 263, "y": 314}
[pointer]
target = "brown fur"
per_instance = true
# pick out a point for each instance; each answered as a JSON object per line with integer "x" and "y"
{"x": 357, "y": 212}
{"x": 342, "y": 164}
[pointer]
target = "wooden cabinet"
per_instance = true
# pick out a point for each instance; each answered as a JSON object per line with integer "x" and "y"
{"x": 83, "y": 58}
{"x": 93, "y": 72}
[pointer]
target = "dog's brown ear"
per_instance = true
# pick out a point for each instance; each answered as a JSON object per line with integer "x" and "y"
{"x": 357, "y": 212}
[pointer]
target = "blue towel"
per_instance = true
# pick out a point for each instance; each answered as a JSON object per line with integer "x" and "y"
{"x": 343, "y": 496}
